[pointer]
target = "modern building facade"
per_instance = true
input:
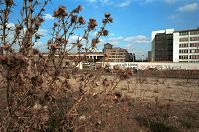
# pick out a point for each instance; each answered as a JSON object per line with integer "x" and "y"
{"x": 186, "y": 46}
{"x": 115, "y": 54}
{"x": 175, "y": 46}
{"x": 162, "y": 45}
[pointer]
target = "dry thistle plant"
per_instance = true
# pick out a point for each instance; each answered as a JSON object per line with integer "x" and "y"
{"x": 65, "y": 27}
{"x": 38, "y": 94}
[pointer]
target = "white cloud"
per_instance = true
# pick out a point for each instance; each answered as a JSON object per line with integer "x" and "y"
{"x": 48, "y": 17}
{"x": 170, "y": 1}
{"x": 189, "y": 7}
{"x": 11, "y": 25}
{"x": 173, "y": 16}
{"x": 42, "y": 31}
{"x": 10, "y": 33}
{"x": 139, "y": 39}
{"x": 73, "y": 39}
{"x": 142, "y": 2}
{"x": 124, "y": 4}
{"x": 105, "y": 1}
{"x": 41, "y": 46}
{"x": 115, "y": 3}
{"x": 115, "y": 40}
{"x": 92, "y": 1}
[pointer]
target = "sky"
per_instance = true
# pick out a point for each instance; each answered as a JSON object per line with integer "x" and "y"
{"x": 133, "y": 20}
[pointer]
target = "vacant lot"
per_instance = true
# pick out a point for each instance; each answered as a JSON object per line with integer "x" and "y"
{"x": 149, "y": 88}
{"x": 134, "y": 104}
{"x": 148, "y": 103}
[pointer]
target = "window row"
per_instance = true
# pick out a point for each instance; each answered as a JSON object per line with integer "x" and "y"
{"x": 194, "y": 50}
{"x": 194, "y": 38}
{"x": 191, "y": 51}
{"x": 117, "y": 53}
{"x": 183, "y": 57}
{"x": 183, "y": 33}
{"x": 194, "y": 57}
{"x": 191, "y": 33}
{"x": 117, "y": 56}
{"x": 183, "y": 51}
{"x": 194, "y": 32}
{"x": 117, "y": 60}
{"x": 194, "y": 45}
{"x": 183, "y": 39}
{"x": 184, "y": 45}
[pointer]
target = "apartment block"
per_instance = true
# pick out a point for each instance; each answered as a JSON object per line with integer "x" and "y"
{"x": 186, "y": 45}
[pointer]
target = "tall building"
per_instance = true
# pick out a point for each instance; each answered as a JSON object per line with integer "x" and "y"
{"x": 186, "y": 46}
{"x": 162, "y": 45}
{"x": 115, "y": 54}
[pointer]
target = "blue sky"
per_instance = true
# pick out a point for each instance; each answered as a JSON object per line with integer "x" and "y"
{"x": 133, "y": 20}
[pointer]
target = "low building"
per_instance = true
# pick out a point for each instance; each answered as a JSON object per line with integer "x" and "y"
{"x": 115, "y": 54}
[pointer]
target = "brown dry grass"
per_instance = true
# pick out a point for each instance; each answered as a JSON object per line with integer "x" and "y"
{"x": 134, "y": 104}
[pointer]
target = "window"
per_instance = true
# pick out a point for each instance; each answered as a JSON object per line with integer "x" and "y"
{"x": 183, "y": 45}
{"x": 183, "y": 51}
{"x": 183, "y": 57}
{"x": 194, "y": 38}
{"x": 194, "y": 56}
{"x": 194, "y": 50}
{"x": 194, "y": 32}
{"x": 183, "y": 33}
{"x": 183, "y": 39}
{"x": 194, "y": 45}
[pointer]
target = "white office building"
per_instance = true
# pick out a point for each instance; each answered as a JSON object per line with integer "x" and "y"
{"x": 186, "y": 46}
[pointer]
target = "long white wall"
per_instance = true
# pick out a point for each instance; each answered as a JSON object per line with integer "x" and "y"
{"x": 159, "y": 66}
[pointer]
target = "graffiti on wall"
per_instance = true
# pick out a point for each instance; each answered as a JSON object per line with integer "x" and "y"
{"x": 163, "y": 66}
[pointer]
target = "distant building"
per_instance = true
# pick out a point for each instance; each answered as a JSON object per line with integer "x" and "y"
{"x": 186, "y": 46}
{"x": 149, "y": 56}
{"x": 132, "y": 57}
{"x": 90, "y": 56}
{"x": 115, "y": 54}
{"x": 162, "y": 45}
{"x": 175, "y": 46}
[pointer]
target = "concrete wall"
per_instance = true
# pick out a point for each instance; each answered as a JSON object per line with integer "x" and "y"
{"x": 159, "y": 66}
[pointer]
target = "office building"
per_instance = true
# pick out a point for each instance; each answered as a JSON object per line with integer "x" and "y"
{"x": 186, "y": 46}
{"x": 115, "y": 54}
{"x": 162, "y": 45}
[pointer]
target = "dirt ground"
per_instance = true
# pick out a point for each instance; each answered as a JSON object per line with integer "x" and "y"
{"x": 149, "y": 88}
{"x": 146, "y": 104}
{"x": 151, "y": 104}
